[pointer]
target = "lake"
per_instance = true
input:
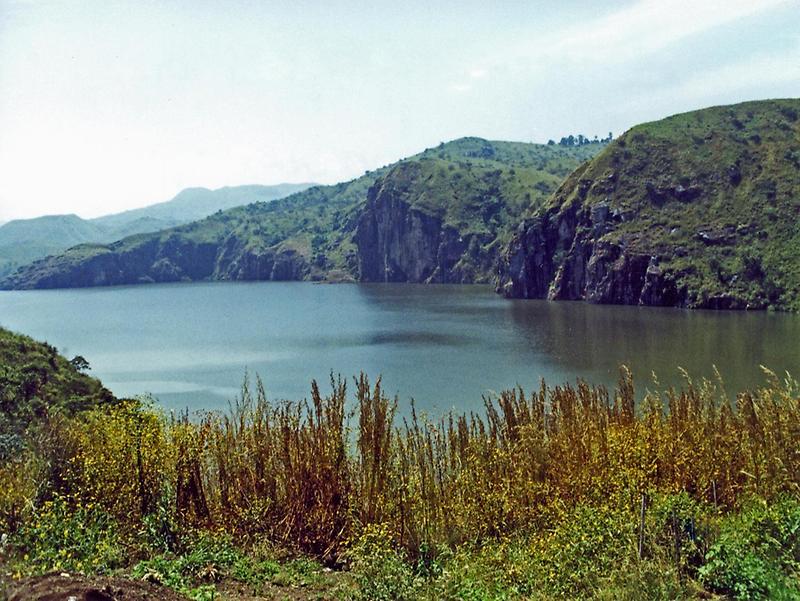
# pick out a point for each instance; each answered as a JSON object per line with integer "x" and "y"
{"x": 190, "y": 344}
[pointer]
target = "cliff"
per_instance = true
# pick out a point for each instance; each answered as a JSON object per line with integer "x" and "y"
{"x": 698, "y": 210}
{"x": 421, "y": 224}
{"x": 438, "y": 216}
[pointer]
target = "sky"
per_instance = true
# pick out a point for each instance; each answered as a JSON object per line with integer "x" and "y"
{"x": 110, "y": 105}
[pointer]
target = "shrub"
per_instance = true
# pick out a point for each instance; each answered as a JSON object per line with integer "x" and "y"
{"x": 69, "y": 536}
{"x": 757, "y": 553}
{"x": 380, "y": 572}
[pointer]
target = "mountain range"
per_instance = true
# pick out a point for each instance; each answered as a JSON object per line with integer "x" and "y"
{"x": 25, "y": 240}
{"x": 696, "y": 210}
{"x": 458, "y": 204}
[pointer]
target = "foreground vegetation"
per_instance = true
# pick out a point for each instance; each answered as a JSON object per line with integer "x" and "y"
{"x": 569, "y": 492}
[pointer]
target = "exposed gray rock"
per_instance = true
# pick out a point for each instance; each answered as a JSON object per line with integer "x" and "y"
{"x": 564, "y": 254}
{"x": 398, "y": 242}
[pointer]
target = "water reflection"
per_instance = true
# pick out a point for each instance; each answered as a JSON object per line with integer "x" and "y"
{"x": 592, "y": 340}
{"x": 445, "y": 346}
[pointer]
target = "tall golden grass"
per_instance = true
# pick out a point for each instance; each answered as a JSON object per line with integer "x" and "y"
{"x": 312, "y": 474}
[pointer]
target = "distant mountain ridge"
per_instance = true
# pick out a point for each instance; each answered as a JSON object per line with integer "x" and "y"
{"x": 25, "y": 240}
{"x": 457, "y": 203}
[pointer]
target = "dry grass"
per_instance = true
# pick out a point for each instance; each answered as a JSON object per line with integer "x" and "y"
{"x": 312, "y": 474}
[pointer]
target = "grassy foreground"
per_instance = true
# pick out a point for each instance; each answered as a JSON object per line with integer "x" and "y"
{"x": 570, "y": 492}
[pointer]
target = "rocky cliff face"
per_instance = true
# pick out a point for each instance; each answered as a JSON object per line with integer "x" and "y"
{"x": 698, "y": 210}
{"x": 169, "y": 259}
{"x": 399, "y": 242}
{"x": 562, "y": 255}
{"x": 236, "y": 261}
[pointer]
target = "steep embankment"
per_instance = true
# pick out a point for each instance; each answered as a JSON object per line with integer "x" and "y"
{"x": 445, "y": 216}
{"x": 456, "y": 203}
{"x": 697, "y": 210}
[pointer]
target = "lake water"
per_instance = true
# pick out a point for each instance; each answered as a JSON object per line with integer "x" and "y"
{"x": 190, "y": 344}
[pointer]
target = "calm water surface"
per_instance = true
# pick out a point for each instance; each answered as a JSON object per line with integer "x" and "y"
{"x": 446, "y": 346}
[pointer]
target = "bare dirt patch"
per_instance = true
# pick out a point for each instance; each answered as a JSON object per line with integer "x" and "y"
{"x": 62, "y": 587}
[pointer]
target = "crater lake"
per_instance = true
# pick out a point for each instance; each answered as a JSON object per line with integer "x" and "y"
{"x": 190, "y": 345}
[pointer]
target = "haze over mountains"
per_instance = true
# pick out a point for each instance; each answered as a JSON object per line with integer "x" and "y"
{"x": 696, "y": 210}
{"x": 25, "y": 240}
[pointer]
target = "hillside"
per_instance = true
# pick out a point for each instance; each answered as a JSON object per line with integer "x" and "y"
{"x": 35, "y": 379}
{"x": 25, "y": 240}
{"x": 458, "y": 200}
{"x": 195, "y": 203}
{"x": 697, "y": 210}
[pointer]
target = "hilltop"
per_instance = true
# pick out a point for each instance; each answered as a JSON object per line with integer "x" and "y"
{"x": 697, "y": 210}
{"x": 455, "y": 204}
{"x": 25, "y": 240}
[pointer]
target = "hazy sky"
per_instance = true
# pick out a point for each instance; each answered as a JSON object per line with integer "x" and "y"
{"x": 111, "y": 105}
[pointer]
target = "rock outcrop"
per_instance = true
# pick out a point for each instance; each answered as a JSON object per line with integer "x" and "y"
{"x": 237, "y": 260}
{"x": 398, "y": 242}
{"x": 699, "y": 210}
{"x": 563, "y": 255}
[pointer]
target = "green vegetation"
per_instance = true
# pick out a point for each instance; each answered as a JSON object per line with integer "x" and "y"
{"x": 738, "y": 236}
{"x": 25, "y": 240}
{"x": 569, "y": 492}
{"x": 35, "y": 381}
{"x": 477, "y": 186}
{"x": 699, "y": 209}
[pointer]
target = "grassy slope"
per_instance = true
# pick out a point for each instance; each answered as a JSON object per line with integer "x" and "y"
{"x": 468, "y": 179}
{"x": 734, "y": 232}
{"x": 464, "y": 179}
{"x": 34, "y": 379}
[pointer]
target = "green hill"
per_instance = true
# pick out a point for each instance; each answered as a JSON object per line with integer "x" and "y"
{"x": 34, "y": 380}
{"x": 697, "y": 210}
{"x": 470, "y": 191}
{"x": 25, "y": 240}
